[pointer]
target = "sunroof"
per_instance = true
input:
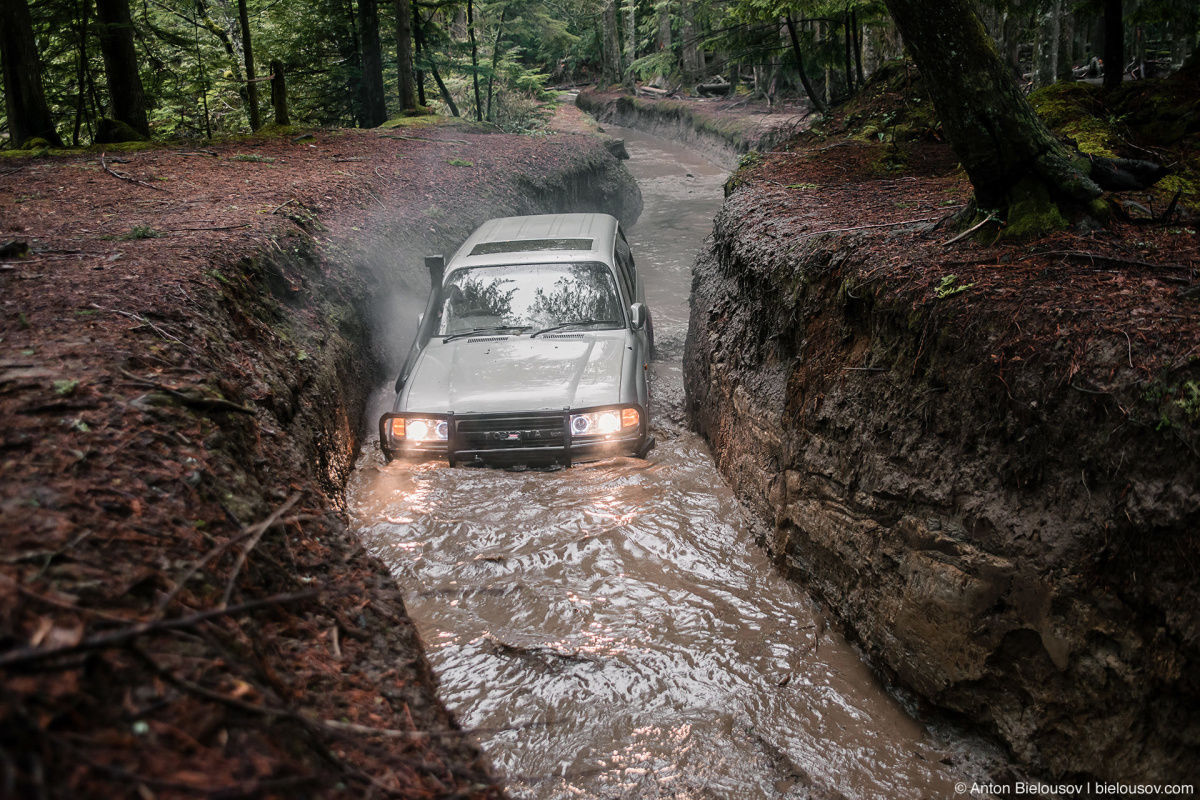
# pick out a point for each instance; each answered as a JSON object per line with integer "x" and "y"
{"x": 525, "y": 245}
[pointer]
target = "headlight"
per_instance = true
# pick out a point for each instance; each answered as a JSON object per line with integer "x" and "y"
{"x": 420, "y": 430}
{"x": 602, "y": 423}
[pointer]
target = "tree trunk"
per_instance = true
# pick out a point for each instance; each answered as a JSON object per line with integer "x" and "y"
{"x": 248, "y": 53}
{"x": 1114, "y": 44}
{"x": 1013, "y": 161}
{"x": 474, "y": 59}
{"x": 610, "y": 51}
{"x": 817, "y": 102}
{"x": 419, "y": 44}
{"x": 849, "y": 48}
{"x": 115, "y": 31}
{"x": 279, "y": 94}
{"x": 495, "y": 61}
{"x": 630, "y": 40}
{"x": 1045, "y": 44}
{"x": 404, "y": 54}
{"x": 858, "y": 63}
{"x": 689, "y": 42}
{"x": 85, "y": 10}
{"x": 24, "y": 98}
{"x": 374, "y": 100}
{"x": 664, "y": 38}
{"x": 444, "y": 91}
{"x": 1066, "y": 45}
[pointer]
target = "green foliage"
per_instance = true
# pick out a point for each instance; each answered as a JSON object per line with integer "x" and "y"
{"x": 141, "y": 232}
{"x": 460, "y": 162}
{"x": 254, "y": 158}
{"x": 949, "y": 286}
{"x": 64, "y": 388}
{"x": 1190, "y": 401}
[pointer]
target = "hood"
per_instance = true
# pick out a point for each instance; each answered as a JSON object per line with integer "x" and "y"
{"x": 518, "y": 374}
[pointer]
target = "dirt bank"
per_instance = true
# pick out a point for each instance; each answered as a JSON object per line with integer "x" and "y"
{"x": 982, "y": 458}
{"x": 187, "y": 346}
{"x": 722, "y": 130}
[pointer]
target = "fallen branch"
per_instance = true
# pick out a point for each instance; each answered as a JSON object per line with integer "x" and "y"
{"x": 23, "y": 656}
{"x": 281, "y": 205}
{"x": 419, "y": 139}
{"x": 218, "y": 228}
{"x": 970, "y": 230}
{"x": 141, "y": 319}
{"x": 125, "y": 177}
{"x": 258, "y": 530}
{"x": 203, "y": 403}
{"x": 878, "y": 225}
{"x": 1114, "y": 260}
{"x": 209, "y": 153}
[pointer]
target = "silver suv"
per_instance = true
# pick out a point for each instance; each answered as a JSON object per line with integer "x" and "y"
{"x": 534, "y": 348}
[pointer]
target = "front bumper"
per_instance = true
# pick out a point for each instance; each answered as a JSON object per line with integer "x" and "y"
{"x": 535, "y": 438}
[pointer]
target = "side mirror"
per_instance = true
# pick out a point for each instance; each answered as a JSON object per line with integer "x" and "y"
{"x": 637, "y": 316}
{"x": 437, "y": 269}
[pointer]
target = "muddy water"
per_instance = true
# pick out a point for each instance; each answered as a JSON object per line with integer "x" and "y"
{"x": 613, "y": 628}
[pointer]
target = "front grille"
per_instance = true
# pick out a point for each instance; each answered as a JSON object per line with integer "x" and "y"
{"x": 509, "y": 431}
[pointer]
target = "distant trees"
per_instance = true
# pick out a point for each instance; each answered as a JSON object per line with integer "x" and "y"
{"x": 192, "y": 67}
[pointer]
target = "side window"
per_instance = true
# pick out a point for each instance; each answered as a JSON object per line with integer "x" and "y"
{"x": 625, "y": 264}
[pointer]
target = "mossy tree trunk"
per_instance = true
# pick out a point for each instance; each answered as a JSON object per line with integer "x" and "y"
{"x": 121, "y": 66}
{"x": 24, "y": 98}
{"x": 1015, "y": 164}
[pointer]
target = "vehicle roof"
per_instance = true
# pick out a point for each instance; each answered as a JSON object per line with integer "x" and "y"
{"x": 537, "y": 230}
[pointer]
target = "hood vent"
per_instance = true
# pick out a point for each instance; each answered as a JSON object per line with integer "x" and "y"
{"x": 488, "y": 339}
{"x": 563, "y": 336}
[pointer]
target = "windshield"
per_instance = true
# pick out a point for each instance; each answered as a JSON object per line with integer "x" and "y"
{"x": 530, "y": 295}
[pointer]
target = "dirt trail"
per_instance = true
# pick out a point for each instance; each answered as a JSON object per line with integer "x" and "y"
{"x": 185, "y": 349}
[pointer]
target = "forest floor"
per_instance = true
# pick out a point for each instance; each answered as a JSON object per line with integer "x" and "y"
{"x": 182, "y": 612}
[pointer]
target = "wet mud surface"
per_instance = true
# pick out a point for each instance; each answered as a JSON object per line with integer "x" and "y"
{"x": 615, "y": 630}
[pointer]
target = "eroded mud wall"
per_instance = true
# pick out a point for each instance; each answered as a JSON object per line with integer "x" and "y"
{"x": 1012, "y": 547}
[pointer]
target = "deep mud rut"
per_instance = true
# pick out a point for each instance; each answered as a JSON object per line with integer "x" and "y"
{"x": 614, "y": 630}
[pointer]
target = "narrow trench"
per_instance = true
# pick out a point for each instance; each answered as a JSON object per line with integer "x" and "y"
{"x": 613, "y": 630}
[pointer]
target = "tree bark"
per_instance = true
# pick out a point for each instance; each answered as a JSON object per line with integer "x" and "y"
{"x": 1008, "y": 154}
{"x": 115, "y": 31}
{"x": 1045, "y": 44}
{"x": 610, "y": 49}
{"x": 419, "y": 51}
{"x": 1114, "y": 44}
{"x": 495, "y": 61}
{"x": 630, "y": 40}
{"x": 279, "y": 94}
{"x": 817, "y": 102}
{"x": 664, "y": 37}
{"x": 85, "y": 10}
{"x": 248, "y": 54}
{"x": 849, "y": 48}
{"x": 374, "y": 100}
{"x": 689, "y": 42}
{"x": 24, "y": 98}
{"x": 404, "y": 54}
{"x": 474, "y": 59}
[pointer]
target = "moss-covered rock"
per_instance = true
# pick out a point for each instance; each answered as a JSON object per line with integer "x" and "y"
{"x": 114, "y": 130}
{"x": 1031, "y": 212}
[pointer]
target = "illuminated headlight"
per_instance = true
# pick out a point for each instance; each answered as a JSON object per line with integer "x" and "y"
{"x": 601, "y": 423}
{"x": 420, "y": 430}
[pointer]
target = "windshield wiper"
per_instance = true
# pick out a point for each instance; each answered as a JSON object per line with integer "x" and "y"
{"x": 492, "y": 329}
{"x": 576, "y": 322}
